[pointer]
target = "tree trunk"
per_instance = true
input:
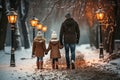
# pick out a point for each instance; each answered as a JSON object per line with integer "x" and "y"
{"x": 23, "y": 15}
{"x": 3, "y": 25}
{"x": 117, "y": 19}
{"x": 22, "y": 7}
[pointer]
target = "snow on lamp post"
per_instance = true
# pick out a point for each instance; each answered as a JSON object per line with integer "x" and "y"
{"x": 12, "y": 18}
{"x": 100, "y": 16}
{"x": 33, "y": 23}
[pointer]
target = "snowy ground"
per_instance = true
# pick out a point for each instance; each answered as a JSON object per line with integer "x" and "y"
{"x": 88, "y": 66}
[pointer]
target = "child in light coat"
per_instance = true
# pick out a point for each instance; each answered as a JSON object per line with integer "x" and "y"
{"x": 54, "y": 46}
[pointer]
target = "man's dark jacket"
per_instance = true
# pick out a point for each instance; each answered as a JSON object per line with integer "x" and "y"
{"x": 69, "y": 32}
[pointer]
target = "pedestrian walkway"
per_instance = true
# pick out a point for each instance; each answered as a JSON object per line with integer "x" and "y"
{"x": 88, "y": 66}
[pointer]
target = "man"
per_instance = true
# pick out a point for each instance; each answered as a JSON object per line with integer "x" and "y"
{"x": 69, "y": 35}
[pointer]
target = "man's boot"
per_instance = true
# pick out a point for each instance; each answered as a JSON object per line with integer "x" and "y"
{"x": 67, "y": 64}
{"x": 73, "y": 64}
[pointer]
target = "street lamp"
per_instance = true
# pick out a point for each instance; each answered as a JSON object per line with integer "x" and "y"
{"x": 33, "y": 23}
{"x": 44, "y": 29}
{"x": 39, "y": 26}
{"x": 100, "y": 16}
{"x": 12, "y": 18}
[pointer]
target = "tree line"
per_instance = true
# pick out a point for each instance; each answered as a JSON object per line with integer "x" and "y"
{"x": 50, "y": 12}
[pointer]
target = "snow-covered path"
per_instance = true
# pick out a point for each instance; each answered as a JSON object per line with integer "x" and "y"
{"x": 87, "y": 65}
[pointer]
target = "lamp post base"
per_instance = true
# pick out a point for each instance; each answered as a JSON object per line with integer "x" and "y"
{"x": 12, "y": 65}
{"x": 101, "y": 53}
{"x": 101, "y": 56}
{"x": 12, "y": 60}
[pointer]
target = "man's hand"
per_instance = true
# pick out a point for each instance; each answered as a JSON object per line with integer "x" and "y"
{"x": 77, "y": 41}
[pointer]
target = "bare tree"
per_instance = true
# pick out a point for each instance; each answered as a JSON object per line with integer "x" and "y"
{"x": 23, "y": 12}
{"x": 51, "y": 13}
{"x": 3, "y": 24}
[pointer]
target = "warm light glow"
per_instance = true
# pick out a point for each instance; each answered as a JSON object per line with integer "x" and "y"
{"x": 44, "y": 29}
{"x": 34, "y": 22}
{"x": 100, "y": 14}
{"x": 39, "y": 26}
{"x": 12, "y": 17}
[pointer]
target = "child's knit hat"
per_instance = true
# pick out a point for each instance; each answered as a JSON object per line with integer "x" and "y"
{"x": 39, "y": 34}
{"x": 53, "y": 35}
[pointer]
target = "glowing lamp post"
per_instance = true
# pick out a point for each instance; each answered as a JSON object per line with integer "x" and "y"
{"x": 12, "y": 18}
{"x": 33, "y": 23}
{"x": 39, "y": 27}
{"x": 100, "y": 16}
{"x": 44, "y": 29}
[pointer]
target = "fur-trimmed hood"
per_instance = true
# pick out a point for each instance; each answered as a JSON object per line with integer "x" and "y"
{"x": 54, "y": 41}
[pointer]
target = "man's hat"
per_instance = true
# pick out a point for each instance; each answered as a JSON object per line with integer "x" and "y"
{"x": 68, "y": 15}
